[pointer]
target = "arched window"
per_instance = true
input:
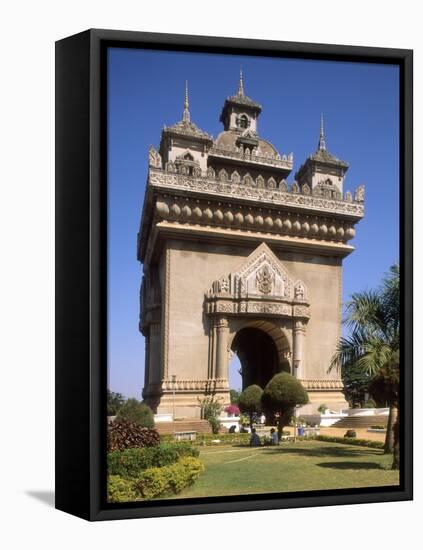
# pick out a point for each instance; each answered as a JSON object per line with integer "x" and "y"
{"x": 188, "y": 156}
{"x": 243, "y": 121}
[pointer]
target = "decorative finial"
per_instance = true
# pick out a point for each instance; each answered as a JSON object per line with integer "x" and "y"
{"x": 241, "y": 83}
{"x": 322, "y": 143}
{"x": 186, "y": 116}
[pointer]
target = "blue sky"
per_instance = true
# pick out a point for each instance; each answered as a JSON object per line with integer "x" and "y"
{"x": 145, "y": 92}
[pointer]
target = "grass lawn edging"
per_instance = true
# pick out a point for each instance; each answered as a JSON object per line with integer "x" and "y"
{"x": 350, "y": 441}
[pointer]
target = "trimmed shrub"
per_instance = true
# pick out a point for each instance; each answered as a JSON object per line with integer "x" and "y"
{"x": 121, "y": 490}
{"x": 136, "y": 411}
{"x": 127, "y": 435}
{"x": 169, "y": 479}
{"x": 131, "y": 462}
{"x": 280, "y": 396}
{"x": 350, "y": 433}
{"x": 378, "y": 427}
{"x": 250, "y": 401}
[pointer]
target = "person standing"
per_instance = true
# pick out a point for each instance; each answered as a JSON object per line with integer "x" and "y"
{"x": 274, "y": 440}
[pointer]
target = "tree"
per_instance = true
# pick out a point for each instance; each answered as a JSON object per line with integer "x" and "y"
{"x": 374, "y": 343}
{"x": 356, "y": 384}
{"x": 138, "y": 412}
{"x": 114, "y": 402}
{"x": 384, "y": 388}
{"x": 234, "y": 396}
{"x": 280, "y": 397}
{"x": 249, "y": 401}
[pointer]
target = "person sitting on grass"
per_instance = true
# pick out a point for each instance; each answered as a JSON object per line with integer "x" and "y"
{"x": 274, "y": 440}
{"x": 254, "y": 439}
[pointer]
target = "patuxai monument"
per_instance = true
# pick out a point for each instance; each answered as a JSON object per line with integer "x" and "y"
{"x": 238, "y": 261}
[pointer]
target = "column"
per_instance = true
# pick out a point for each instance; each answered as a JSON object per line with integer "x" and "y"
{"x": 222, "y": 332}
{"x": 155, "y": 374}
{"x": 299, "y": 342}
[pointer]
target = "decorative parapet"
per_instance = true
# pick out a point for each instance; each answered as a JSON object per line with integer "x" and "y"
{"x": 322, "y": 384}
{"x": 209, "y": 185}
{"x": 277, "y": 161}
{"x": 187, "y": 384}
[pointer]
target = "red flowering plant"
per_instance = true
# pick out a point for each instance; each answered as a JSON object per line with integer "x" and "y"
{"x": 232, "y": 410}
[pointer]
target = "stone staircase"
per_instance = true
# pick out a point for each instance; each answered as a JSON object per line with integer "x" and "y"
{"x": 199, "y": 426}
{"x": 361, "y": 421}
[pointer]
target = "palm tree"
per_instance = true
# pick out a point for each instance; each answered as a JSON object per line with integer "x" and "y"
{"x": 373, "y": 345}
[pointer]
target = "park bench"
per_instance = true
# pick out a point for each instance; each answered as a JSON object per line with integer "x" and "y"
{"x": 185, "y": 436}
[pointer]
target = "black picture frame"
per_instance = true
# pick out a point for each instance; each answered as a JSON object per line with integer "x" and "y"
{"x": 81, "y": 254}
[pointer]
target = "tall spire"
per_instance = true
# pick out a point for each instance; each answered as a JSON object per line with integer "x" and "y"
{"x": 322, "y": 143}
{"x": 186, "y": 117}
{"x": 241, "y": 84}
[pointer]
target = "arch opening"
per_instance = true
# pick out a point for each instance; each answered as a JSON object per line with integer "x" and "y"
{"x": 258, "y": 355}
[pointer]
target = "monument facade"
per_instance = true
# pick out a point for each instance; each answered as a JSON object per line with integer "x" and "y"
{"x": 236, "y": 260}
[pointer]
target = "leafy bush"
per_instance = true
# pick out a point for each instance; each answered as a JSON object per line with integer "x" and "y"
{"x": 378, "y": 427}
{"x": 350, "y": 433}
{"x": 350, "y": 441}
{"x": 322, "y": 409}
{"x": 210, "y": 409}
{"x": 121, "y": 490}
{"x": 169, "y": 479}
{"x": 130, "y": 462}
{"x": 136, "y": 411}
{"x": 127, "y": 435}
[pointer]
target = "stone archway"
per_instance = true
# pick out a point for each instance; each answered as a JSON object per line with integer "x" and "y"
{"x": 260, "y": 354}
{"x": 263, "y": 296}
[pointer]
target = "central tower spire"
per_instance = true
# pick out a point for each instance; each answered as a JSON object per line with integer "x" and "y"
{"x": 241, "y": 84}
{"x": 322, "y": 143}
{"x": 186, "y": 117}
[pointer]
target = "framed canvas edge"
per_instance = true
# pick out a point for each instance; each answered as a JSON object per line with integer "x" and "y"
{"x": 92, "y": 463}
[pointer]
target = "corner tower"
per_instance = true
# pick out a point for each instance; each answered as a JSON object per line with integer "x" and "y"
{"x": 233, "y": 254}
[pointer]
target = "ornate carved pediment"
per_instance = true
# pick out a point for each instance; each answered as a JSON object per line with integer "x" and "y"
{"x": 261, "y": 285}
{"x": 263, "y": 274}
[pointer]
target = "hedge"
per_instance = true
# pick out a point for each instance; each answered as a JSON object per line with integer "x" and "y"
{"x": 155, "y": 482}
{"x": 130, "y": 462}
{"x": 121, "y": 490}
{"x": 207, "y": 438}
{"x": 351, "y": 441}
{"x": 169, "y": 479}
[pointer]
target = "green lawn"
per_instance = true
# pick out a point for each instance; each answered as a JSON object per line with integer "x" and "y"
{"x": 301, "y": 466}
